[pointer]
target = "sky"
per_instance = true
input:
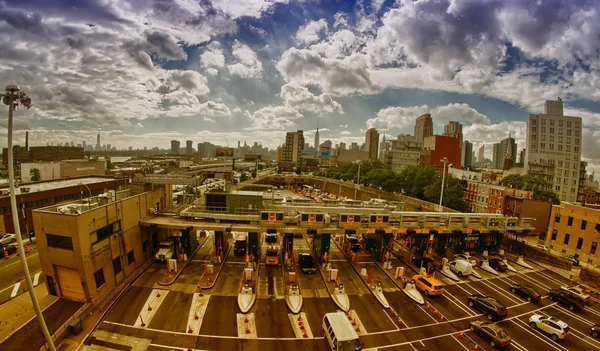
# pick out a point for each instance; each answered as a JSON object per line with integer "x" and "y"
{"x": 143, "y": 72}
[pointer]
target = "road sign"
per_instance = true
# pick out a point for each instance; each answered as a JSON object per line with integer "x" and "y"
{"x": 312, "y": 217}
{"x": 272, "y": 216}
{"x": 350, "y": 219}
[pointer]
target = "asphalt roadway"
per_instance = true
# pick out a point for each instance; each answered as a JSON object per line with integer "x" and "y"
{"x": 438, "y": 327}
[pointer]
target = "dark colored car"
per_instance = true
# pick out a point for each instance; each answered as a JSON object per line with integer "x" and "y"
{"x": 574, "y": 261}
{"x": 595, "y": 330}
{"x": 353, "y": 242}
{"x": 526, "y": 292}
{"x": 11, "y": 248}
{"x": 566, "y": 299}
{"x": 490, "y": 307}
{"x": 307, "y": 263}
{"x": 497, "y": 264}
{"x": 491, "y": 333}
{"x": 426, "y": 262}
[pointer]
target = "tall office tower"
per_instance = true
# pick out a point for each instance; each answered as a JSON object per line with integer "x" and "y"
{"x": 98, "y": 148}
{"x": 108, "y": 147}
{"x": 511, "y": 154}
{"x": 423, "y": 127}
{"x": 354, "y": 146}
{"x": 175, "y": 147}
{"x": 317, "y": 140}
{"x": 83, "y": 144}
{"x": 343, "y": 145}
{"x": 522, "y": 156}
{"x": 554, "y": 149}
{"x": 189, "y": 148}
{"x": 382, "y": 146}
{"x": 294, "y": 145}
{"x": 465, "y": 155}
{"x": 401, "y": 153}
{"x": 372, "y": 143}
{"x": 502, "y": 150}
{"x": 481, "y": 154}
{"x": 454, "y": 129}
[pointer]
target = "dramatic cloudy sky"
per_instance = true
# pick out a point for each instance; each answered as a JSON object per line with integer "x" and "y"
{"x": 143, "y": 72}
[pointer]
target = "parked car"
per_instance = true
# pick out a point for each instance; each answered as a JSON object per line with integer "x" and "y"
{"x": 490, "y": 307}
{"x": 526, "y": 292}
{"x": 577, "y": 292}
{"x": 497, "y": 264}
{"x": 10, "y": 248}
{"x": 541, "y": 247}
{"x": 554, "y": 327}
{"x": 307, "y": 263}
{"x": 428, "y": 285}
{"x": 566, "y": 298}
{"x": 467, "y": 258}
{"x": 461, "y": 267}
{"x": 8, "y": 238}
{"x": 491, "y": 333}
{"x": 574, "y": 261}
{"x": 426, "y": 262}
{"x": 595, "y": 330}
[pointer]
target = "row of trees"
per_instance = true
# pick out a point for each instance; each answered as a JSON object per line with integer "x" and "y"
{"x": 535, "y": 184}
{"x": 423, "y": 183}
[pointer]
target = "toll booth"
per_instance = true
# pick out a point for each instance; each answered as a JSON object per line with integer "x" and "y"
{"x": 489, "y": 241}
{"x": 254, "y": 245}
{"x": 288, "y": 246}
{"x": 421, "y": 241}
{"x": 188, "y": 240}
{"x": 377, "y": 241}
{"x": 321, "y": 244}
{"x": 440, "y": 241}
{"x": 454, "y": 240}
{"x": 471, "y": 240}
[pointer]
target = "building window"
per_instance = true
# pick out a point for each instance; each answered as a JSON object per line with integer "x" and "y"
{"x": 554, "y": 234}
{"x": 583, "y": 224}
{"x": 551, "y": 130}
{"x": 570, "y": 221}
{"x": 579, "y": 243}
{"x": 593, "y": 248}
{"x": 567, "y": 237}
{"x": 130, "y": 257}
{"x": 99, "y": 277}
{"x": 568, "y": 124}
{"x": 117, "y": 265}
{"x": 105, "y": 232}
{"x": 59, "y": 241}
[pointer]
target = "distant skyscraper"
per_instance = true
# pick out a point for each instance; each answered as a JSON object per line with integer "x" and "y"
{"x": 354, "y": 146}
{"x": 423, "y": 127}
{"x": 343, "y": 145}
{"x": 481, "y": 155}
{"x": 317, "y": 140}
{"x": 98, "y": 148}
{"x": 554, "y": 149}
{"x": 189, "y": 147}
{"x": 453, "y": 129}
{"x": 372, "y": 143}
{"x": 522, "y": 156}
{"x": 501, "y": 150}
{"x": 466, "y": 152}
{"x": 294, "y": 145}
{"x": 175, "y": 147}
{"x": 83, "y": 144}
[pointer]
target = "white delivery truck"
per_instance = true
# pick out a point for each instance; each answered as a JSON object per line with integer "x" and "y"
{"x": 166, "y": 249}
{"x": 340, "y": 333}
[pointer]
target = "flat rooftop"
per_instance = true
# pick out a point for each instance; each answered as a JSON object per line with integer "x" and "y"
{"x": 57, "y": 184}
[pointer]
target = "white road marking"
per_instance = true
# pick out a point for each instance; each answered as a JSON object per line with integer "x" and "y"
{"x": 154, "y": 301}
{"x": 430, "y": 316}
{"x": 15, "y": 290}
{"x": 502, "y": 292}
{"x": 573, "y": 330}
{"x": 530, "y": 280}
{"x": 537, "y": 333}
{"x": 390, "y": 318}
{"x": 246, "y": 326}
{"x": 171, "y": 347}
{"x": 197, "y": 311}
{"x": 298, "y": 321}
{"x": 457, "y": 302}
{"x": 460, "y": 343}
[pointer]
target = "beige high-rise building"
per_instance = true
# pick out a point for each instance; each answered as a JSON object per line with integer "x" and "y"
{"x": 175, "y": 147}
{"x": 294, "y": 145}
{"x": 372, "y": 143}
{"x": 423, "y": 127}
{"x": 554, "y": 149}
{"x": 402, "y": 153}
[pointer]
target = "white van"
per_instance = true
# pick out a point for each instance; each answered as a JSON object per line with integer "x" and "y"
{"x": 461, "y": 267}
{"x": 340, "y": 333}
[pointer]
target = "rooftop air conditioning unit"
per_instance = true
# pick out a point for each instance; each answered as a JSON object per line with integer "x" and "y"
{"x": 25, "y": 189}
{"x": 5, "y": 192}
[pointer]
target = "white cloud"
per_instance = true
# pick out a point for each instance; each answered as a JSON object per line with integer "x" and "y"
{"x": 248, "y": 65}
{"x": 213, "y": 56}
{"x": 191, "y": 81}
{"x": 311, "y": 32}
{"x": 342, "y": 77}
{"x": 399, "y": 117}
{"x": 273, "y": 118}
{"x": 237, "y": 110}
{"x": 209, "y": 120}
{"x": 301, "y": 98}
{"x": 494, "y": 133}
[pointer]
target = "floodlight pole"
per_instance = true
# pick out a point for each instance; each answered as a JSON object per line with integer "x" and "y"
{"x": 10, "y": 99}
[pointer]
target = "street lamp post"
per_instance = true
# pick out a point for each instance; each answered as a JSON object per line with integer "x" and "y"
{"x": 14, "y": 97}
{"x": 445, "y": 161}
{"x": 358, "y": 179}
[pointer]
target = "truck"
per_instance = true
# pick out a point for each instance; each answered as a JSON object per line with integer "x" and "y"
{"x": 166, "y": 250}
{"x": 272, "y": 254}
{"x": 239, "y": 247}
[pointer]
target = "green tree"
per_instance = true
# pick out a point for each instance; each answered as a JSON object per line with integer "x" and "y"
{"x": 243, "y": 177}
{"x": 514, "y": 181}
{"x": 3, "y": 174}
{"x": 546, "y": 195}
{"x": 35, "y": 174}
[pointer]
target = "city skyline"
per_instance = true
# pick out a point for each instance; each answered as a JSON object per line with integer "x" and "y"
{"x": 245, "y": 70}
